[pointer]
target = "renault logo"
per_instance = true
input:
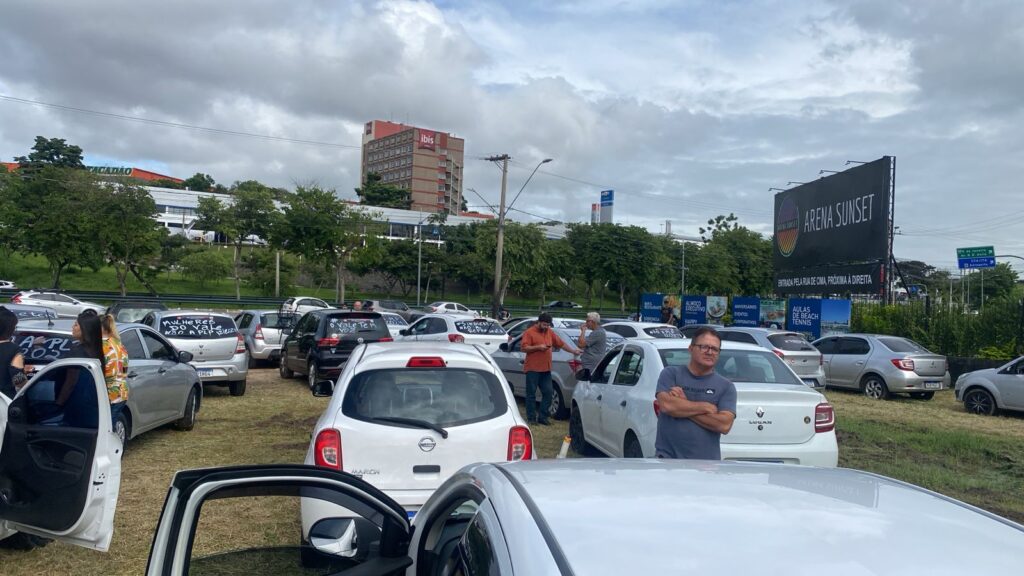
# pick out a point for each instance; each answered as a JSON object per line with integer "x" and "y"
{"x": 427, "y": 444}
{"x": 759, "y": 412}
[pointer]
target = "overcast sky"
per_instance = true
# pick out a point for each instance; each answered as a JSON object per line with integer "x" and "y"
{"x": 687, "y": 109}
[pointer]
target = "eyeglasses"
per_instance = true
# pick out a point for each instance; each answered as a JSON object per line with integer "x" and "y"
{"x": 707, "y": 348}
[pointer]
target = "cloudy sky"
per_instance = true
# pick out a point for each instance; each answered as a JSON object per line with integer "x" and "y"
{"x": 687, "y": 109}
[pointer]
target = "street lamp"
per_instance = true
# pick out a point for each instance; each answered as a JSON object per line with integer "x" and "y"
{"x": 419, "y": 255}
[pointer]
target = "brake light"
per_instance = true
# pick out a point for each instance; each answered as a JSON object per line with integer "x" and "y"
{"x": 258, "y": 334}
{"x": 386, "y": 339}
{"x": 520, "y": 444}
{"x": 328, "y": 342}
{"x": 575, "y": 365}
{"x": 903, "y": 363}
{"x": 16, "y": 298}
{"x": 425, "y": 362}
{"x": 824, "y": 418}
{"x": 657, "y": 409}
{"x": 457, "y": 338}
{"x": 779, "y": 353}
{"x": 327, "y": 449}
{"x": 240, "y": 345}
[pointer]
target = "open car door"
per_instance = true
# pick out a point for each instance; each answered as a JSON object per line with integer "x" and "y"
{"x": 60, "y": 463}
{"x": 364, "y": 531}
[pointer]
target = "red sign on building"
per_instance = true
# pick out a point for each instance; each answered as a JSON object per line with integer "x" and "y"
{"x": 427, "y": 138}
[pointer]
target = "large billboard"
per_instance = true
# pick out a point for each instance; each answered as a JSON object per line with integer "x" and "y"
{"x": 839, "y": 219}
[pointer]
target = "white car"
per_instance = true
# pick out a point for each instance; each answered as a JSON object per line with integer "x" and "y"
{"x": 449, "y": 308}
{"x": 483, "y": 332}
{"x": 65, "y": 305}
{"x": 396, "y": 323}
{"x": 299, "y": 305}
{"x": 778, "y": 417}
{"x": 523, "y": 324}
{"x": 643, "y": 330}
{"x": 406, "y": 416}
{"x": 7, "y": 285}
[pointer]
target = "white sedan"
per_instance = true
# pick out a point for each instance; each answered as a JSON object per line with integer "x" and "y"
{"x": 778, "y": 419}
{"x": 642, "y": 330}
{"x": 483, "y": 332}
{"x": 449, "y": 308}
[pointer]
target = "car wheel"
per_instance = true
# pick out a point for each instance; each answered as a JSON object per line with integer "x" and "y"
{"x": 875, "y": 388}
{"x": 558, "y": 411}
{"x": 284, "y": 370}
{"x": 22, "y": 541}
{"x": 980, "y": 401}
{"x": 122, "y": 429}
{"x": 631, "y": 447}
{"x": 188, "y": 421}
{"x": 237, "y": 388}
{"x": 577, "y": 440}
{"x": 922, "y": 395}
{"x": 311, "y": 374}
{"x": 250, "y": 361}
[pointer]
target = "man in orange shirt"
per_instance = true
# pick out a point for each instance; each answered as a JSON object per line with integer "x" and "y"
{"x": 538, "y": 342}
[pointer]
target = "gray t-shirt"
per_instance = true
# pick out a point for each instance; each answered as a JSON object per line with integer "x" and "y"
{"x": 597, "y": 345}
{"x": 682, "y": 437}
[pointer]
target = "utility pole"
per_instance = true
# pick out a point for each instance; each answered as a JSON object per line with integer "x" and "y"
{"x": 419, "y": 259}
{"x": 496, "y": 298}
{"x": 682, "y": 274}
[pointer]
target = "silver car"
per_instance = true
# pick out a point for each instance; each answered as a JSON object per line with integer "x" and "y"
{"x": 264, "y": 331}
{"x": 218, "y": 349}
{"x": 510, "y": 359}
{"x": 517, "y": 327}
{"x": 394, "y": 306}
{"x": 994, "y": 389}
{"x": 880, "y": 365}
{"x": 792, "y": 347}
{"x": 302, "y": 304}
{"x": 65, "y": 305}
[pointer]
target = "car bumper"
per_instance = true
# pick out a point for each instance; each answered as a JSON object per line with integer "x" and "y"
{"x": 223, "y": 371}
{"x": 821, "y": 450}
{"x": 265, "y": 351}
{"x": 912, "y": 382}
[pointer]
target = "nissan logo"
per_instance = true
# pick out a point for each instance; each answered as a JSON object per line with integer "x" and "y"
{"x": 427, "y": 444}
{"x": 759, "y": 412}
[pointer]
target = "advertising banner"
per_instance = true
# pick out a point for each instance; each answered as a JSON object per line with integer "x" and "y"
{"x": 717, "y": 306}
{"x": 835, "y": 317}
{"x": 855, "y": 278}
{"x": 805, "y": 317}
{"x": 427, "y": 139}
{"x": 650, "y": 307}
{"x": 695, "y": 310}
{"x": 746, "y": 311}
{"x": 838, "y": 219}
{"x": 773, "y": 314}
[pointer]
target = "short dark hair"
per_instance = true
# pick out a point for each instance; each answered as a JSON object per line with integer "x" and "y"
{"x": 706, "y": 330}
{"x": 8, "y": 322}
{"x": 545, "y": 317}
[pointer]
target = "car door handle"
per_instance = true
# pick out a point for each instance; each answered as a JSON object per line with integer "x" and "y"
{"x": 133, "y": 374}
{"x": 162, "y": 370}
{"x": 860, "y": 362}
{"x": 623, "y": 403}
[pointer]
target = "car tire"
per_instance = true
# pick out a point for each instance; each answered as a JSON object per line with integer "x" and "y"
{"x": 237, "y": 388}
{"x": 250, "y": 362}
{"x": 122, "y": 429}
{"x": 631, "y": 446}
{"x": 311, "y": 370}
{"x": 980, "y": 401}
{"x": 922, "y": 395}
{"x": 558, "y": 410}
{"x": 188, "y": 421}
{"x": 874, "y": 387}
{"x": 23, "y": 541}
{"x": 284, "y": 370}
{"x": 577, "y": 439}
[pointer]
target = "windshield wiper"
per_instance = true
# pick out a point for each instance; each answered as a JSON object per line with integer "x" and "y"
{"x": 412, "y": 422}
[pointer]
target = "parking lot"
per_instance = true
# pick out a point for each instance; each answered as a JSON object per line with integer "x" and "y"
{"x": 934, "y": 443}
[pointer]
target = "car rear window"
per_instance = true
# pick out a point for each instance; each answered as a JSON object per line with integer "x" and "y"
{"x": 40, "y": 347}
{"x": 395, "y": 320}
{"x": 903, "y": 345}
{"x": 480, "y": 327}
{"x": 134, "y": 314}
{"x": 32, "y": 313}
{"x": 278, "y": 321}
{"x": 740, "y": 365}
{"x": 663, "y": 332}
{"x": 354, "y": 324}
{"x": 441, "y": 396}
{"x": 790, "y": 342}
{"x": 572, "y": 323}
{"x": 394, "y": 305}
{"x": 197, "y": 327}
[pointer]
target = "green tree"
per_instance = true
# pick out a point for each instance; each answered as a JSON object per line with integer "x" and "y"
{"x": 998, "y": 284}
{"x": 262, "y": 270}
{"x": 204, "y": 265}
{"x": 375, "y": 192}
{"x": 128, "y": 231}
{"x": 585, "y": 241}
{"x": 719, "y": 224}
{"x": 50, "y": 152}
{"x": 523, "y": 259}
{"x": 200, "y": 182}
{"x": 162, "y": 183}
{"x": 630, "y": 267}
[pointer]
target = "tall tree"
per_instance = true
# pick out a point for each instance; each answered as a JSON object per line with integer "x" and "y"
{"x": 375, "y": 192}
{"x": 585, "y": 240}
{"x": 523, "y": 260}
{"x": 128, "y": 231}
{"x": 50, "y": 152}
{"x": 200, "y": 182}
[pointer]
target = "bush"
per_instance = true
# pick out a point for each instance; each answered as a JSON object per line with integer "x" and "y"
{"x": 206, "y": 265}
{"x": 261, "y": 268}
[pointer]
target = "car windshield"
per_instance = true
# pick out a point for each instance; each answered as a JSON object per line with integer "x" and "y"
{"x": 903, "y": 345}
{"x": 197, "y": 327}
{"x": 278, "y": 320}
{"x": 354, "y": 324}
{"x": 134, "y": 314}
{"x": 395, "y": 320}
{"x": 481, "y": 327}
{"x": 394, "y": 305}
{"x": 790, "y": 342}
{"x": 41, "y": 347}
{"x": 757, "y": 366}
{"x": 663, "y": 332}
{"x": 443, "y": 397}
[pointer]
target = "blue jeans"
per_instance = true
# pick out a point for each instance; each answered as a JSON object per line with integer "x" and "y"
{"x": 533, "y": 381}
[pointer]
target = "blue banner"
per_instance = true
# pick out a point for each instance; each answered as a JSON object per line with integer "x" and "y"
{"x": 695, "y": 310}
{"x": 650, "y": 307}
{"x": 804, "y": 316}
{"x": 746, "y": 311}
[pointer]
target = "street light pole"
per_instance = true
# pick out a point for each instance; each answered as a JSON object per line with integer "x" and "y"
{"x": 495, "y": 304}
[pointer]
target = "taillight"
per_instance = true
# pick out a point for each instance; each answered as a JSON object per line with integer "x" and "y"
{"x": 240, "y": 345}
{"x": 258, "y": 334}
{"x": 779, "y": 353}
{"x": 327, "y": 449}
{"x": 457, "y": 338}
{"x": 386, "y": 339}
{"x": 16, "y": 298}
{"x": 327, "y": 342}
{"x": 824, "y": 418}
{"x": 903, "y": 363}
{"x": 657, "y": 409}
{"x": 520, "y": 444}
{"x": 575, "y": 365}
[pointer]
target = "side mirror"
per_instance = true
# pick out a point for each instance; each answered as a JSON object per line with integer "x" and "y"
{"x": 503, "y": 347}
{"x": 323, "y": 388}
{"x": 404, "y": 331}
{"x": 344, "y": 537}
{"x": 184, "y": 356}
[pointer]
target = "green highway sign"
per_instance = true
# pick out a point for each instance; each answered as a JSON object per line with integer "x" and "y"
{"x": 976, "y": 257}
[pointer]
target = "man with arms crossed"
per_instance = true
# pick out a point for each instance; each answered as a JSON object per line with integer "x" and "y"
{"x": 697, "y": 405}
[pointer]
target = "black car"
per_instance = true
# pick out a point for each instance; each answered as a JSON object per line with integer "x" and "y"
{"x": 322, "y": 341}
{"x": 134, "y": 310}
{"x": 562, "y": 304}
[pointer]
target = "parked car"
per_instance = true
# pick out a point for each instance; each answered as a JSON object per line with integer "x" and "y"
{"x": 406, "y": 416}
{"x": 449, "y": 308}
{"x": 880, "y": 365}
{"x": 7, "y": 285}
{"x": 690, "y": 329}
{"x": 553, "y": 517}
{"x": 65, "y": 305}
{"x": 510, "y": 357}
{"x": 302, "y": 304}
{"x": 134, "y": 310}
{"x": 396, "y": 323}
{"x": 263, "y": 332}
{"x": 393, "y": 306}
{"x": 643, "y": 330}
{"x": 163, "y": 387}
{"x": 32, "y": 311}
{"x": 792, "y": 347}
{"x": 217, "y": 348}
{"x": 322, "y": 341}
{"x": 516, "y": 328}
{"x": 778, "y": 417}
{"x": 483, "y": 332}
{"x": 562, "y": 304}
{"x": 994, "y": 389}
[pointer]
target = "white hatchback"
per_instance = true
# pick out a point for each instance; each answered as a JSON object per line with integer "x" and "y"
{"x": 405, "y": 416}
{"x": 642, "y": 330}
{"x": 778, "y": 417}
{"x": 483, "y": 332}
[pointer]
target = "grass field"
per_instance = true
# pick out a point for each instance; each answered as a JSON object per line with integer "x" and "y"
{"x": 935, "y": 444}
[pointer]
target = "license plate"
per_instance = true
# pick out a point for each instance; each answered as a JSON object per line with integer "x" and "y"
{"x": 932, "y": 385}
{"x": 205, "y": 372}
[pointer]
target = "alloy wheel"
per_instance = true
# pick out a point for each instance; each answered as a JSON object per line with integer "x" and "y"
{"x": 980, "y": 402}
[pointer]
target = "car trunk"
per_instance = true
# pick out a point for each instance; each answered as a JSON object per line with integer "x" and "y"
{"x": 929, "y": 364}
{"x": 346, "y": 331}
{"x": 208, "y": 338}
{"x": 803, "y": 363}
{"x": 786, "y": 414}
{"x": 482, "y": 332}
